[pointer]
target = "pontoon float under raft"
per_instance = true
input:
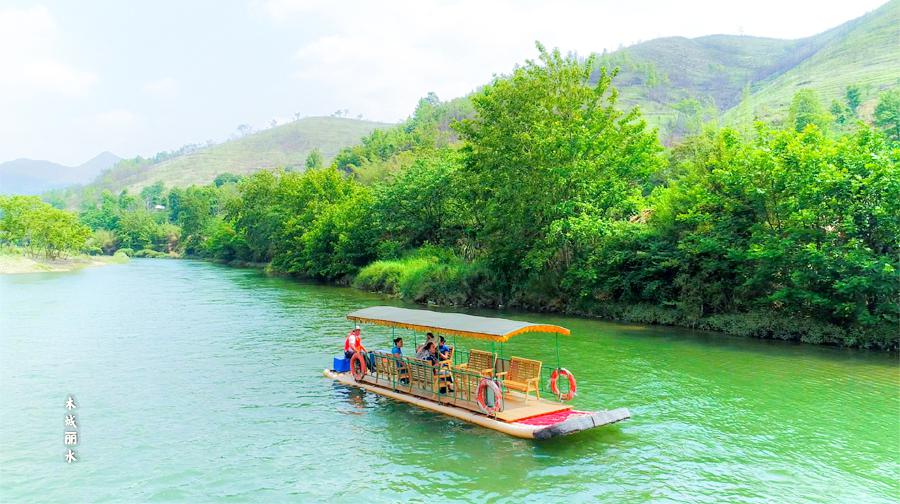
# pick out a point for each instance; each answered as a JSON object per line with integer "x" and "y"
{"x": 483, "y": 388}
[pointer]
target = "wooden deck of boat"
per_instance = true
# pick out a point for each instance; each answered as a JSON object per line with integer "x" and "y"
{"x": 515, "y": 408}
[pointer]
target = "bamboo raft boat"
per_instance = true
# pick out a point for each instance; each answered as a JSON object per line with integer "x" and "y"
{"x": 479, "y": 387}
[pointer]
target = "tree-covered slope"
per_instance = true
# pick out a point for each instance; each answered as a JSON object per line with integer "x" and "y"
{"x": 284, "y": 146}
{"x": 679, "y": 83}
{"x": 863, "y": 52}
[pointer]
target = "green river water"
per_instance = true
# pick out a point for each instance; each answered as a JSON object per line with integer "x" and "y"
{"x": 197, "y": 382}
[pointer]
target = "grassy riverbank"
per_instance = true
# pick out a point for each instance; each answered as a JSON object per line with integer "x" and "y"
{"x": 14, "y": 261}
{"x": 443, "y": 281}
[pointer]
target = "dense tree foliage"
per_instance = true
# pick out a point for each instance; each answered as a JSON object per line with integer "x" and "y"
{"x": 28, "y": 222}
{"x": 887, "y": 114}
{"x": 806, "y": 109}
{"x": 548, "y": 160}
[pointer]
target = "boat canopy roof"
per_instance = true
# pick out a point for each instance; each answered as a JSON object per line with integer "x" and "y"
{"x": 470, "y": 326}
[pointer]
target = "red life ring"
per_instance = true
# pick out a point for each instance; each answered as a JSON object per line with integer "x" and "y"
{"x": 358, "y": 371}
{"x": 481, "y": 396}
{"x": 555, "y": 388}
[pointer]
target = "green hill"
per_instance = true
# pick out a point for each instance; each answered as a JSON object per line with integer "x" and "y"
{"x": 281, "y": 146}
{"x": 864, "y": 52}
{"x": 680, "y": 83}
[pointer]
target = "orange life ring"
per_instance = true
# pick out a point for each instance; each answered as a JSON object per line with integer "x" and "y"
{"x": 481, "y": 396}
{"x": 555, "y": 388}
{"x": 358, "y": 371}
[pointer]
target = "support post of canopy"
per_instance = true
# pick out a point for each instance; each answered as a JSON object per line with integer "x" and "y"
{"x": 557, "y": 351}
{"x": 455, "y": 350}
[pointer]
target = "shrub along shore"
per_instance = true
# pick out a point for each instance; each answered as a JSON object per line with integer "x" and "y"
{"x": 539, "y": 192}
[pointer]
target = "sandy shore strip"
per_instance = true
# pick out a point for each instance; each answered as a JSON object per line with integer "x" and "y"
{"x": 13, "y": 264}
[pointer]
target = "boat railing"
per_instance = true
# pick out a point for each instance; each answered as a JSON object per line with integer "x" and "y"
{"x": 442, "y": 383}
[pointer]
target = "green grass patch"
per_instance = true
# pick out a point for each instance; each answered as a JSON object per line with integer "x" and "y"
{"x": 428, "y": 275}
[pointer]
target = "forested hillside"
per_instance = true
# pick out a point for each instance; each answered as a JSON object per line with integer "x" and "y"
{"x": 284, "y": 146}
{"x": 681, "y": 83}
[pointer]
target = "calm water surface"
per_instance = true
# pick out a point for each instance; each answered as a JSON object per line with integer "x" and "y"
{"x": 200, "y": 382}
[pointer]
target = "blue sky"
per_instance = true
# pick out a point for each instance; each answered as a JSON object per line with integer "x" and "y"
{"x": 81, "y": 77}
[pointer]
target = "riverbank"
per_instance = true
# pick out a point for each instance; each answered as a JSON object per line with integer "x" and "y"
{"x": 453, "y": 287}
{"x": 14, "y": 263}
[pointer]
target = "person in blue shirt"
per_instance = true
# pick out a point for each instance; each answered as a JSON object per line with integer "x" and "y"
{"x": 398, "y": 347}
{"x": 397, "y": 353}
{"x": 444, "y": 350}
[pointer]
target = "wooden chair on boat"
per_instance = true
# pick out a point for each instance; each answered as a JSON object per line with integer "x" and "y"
{"x": 448, "y": 362}
{"x": 465, "y": 384}
{"x": 383, "y": 366}
{"x": 422, "y": 376}
{"x": 524, "y": 375}
{"x": 402, "y": 369}
{"x": 480, "y": 362}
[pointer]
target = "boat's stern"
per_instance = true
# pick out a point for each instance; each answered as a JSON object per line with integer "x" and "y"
{"x": 568, "y": 422}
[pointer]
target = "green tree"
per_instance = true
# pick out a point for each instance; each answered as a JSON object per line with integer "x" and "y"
{"x": 420, "y": 204}
{"x": 16, "y": 213}
{"x": 806, "y": 109}
{"x": 138, "y": 230}
{"x": 102, "y": 214}
{"x": 29, "y": 222}
{"x": 102, "y": 240}
{"x": 838, "y": 112}
{"x": 56, "y": 232}
{"x": 314, "y": 160}
{"x": 854, "y": 98}
{"x": 152, "y": 195}
{"x": 887, "y": 114}
{"x": 226, "y": 178}
{"x": 548, "y": 159}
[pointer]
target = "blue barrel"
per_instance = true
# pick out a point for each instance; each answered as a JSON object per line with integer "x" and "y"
{"x": 341, "y": 364}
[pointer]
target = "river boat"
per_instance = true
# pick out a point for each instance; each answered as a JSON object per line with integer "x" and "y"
{"x": 477, "y": 386}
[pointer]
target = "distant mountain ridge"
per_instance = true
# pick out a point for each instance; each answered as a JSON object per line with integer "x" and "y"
{"x": 32, "y": 176}
{"x": 679, "y": 82}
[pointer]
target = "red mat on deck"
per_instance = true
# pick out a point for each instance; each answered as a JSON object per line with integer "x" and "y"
{"x": 552, "y": 418}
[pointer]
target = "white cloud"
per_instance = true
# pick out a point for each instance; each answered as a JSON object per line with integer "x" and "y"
{"x": 166, "y": 87}
{"x": 115, "y": 119}
{"x": 30, "y": 63}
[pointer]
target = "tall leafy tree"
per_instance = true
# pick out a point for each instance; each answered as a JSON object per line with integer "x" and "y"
{"x": 887, "y": 114}
{"x": 549, "y": 158}
{"x": 806, "y": 109}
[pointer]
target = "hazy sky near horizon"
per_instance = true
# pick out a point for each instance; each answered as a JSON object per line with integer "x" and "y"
{"x": 134, "y": 78}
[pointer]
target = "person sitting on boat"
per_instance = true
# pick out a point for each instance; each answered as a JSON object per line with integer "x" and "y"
{"x": 353, "y": 344}
{"x": 429, "y": 338}
{"x": 443, "y": 349}
{"x": 397, "y": 353}
{"x": 397, "y": 349}
{"x": 430, "y": 354}
{"x": 427, "y": 352}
